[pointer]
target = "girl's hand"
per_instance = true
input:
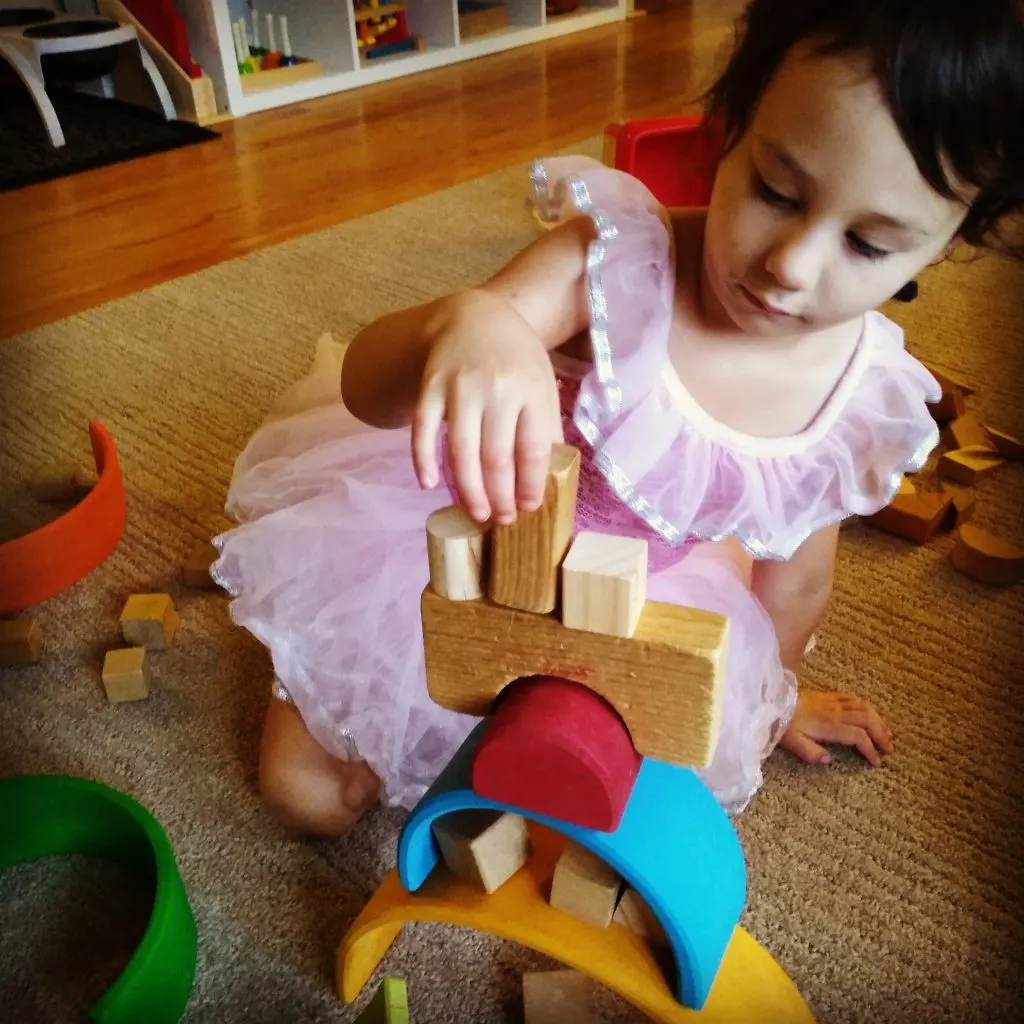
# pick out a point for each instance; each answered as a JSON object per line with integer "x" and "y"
{"x": 835, "y": 718}
{"x": 490, "y": 377}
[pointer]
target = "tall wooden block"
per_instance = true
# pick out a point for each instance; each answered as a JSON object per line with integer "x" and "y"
{"x": 604, "y": 583}
{"x": 558, "y": 997}
{"x": 634, "y": 915}
{"x": 21, "y": 641}
{"x": 149, "y": 620}
{"x": 585, "y": 886}
{"x": 126, "y": 674}
{"x": 666, "y": 681}
{"x": 456, "y": 549}
{"x": 483, "y": 848}
{"x": 526, "y": 555}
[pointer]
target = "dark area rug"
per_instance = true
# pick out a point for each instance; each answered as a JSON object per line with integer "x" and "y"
{"x": 98, "y": 132}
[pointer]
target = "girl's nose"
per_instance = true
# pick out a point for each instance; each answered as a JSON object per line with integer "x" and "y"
{"x": 795, "y": 260}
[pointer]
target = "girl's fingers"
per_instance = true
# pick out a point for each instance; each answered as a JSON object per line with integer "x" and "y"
{"x": 852, "y": 736}
{"x": 800, "y": 744}
{"x": 426, "y": 428}
{"x": 497, "y": 456}
{"x": 533, "y": 457}
{"x": 465, "y": 413}
{"x": 870, "y": 721}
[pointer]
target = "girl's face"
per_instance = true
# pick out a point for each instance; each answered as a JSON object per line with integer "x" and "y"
{"x": 819, "y": 213}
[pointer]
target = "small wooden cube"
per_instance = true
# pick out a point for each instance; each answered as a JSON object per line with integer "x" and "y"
{"x": 914, "y": 516}
{"x": 558, "y": 997}
{"x": 126, "y": 674}
{"x": 962, "y": 510}
{"x": 968, "y": 431}
{"x": 636, "y": 916}
{"x": 951, "y": 405}
{"x": 149, "y": 620}
{"x": 604, "y": 584}
{"x": 585, "y": 886}
{"x": 56, "y": 483}
{"x": 196, "y": 570}
{"x": 966, "y": 465}
{"x": 483, "y": 848}
{"x": 21, "y": 641}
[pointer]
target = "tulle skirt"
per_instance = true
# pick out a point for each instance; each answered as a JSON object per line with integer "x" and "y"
{"x": 326, "y": 568}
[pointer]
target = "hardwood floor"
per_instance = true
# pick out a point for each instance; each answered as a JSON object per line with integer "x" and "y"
{"x": 72, "y": 244}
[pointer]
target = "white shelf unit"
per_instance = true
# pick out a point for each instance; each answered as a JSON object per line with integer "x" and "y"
{"x": 325, "y": 30}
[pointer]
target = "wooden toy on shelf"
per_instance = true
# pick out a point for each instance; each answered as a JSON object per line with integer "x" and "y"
{"x": 276, "y": 67}
{"x": 619, "y": 722}
{"x": 382, "y": 30}
{"x": 481, "y": 18}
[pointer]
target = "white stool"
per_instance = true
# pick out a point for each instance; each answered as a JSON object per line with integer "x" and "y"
{"x": 25, "y": 54}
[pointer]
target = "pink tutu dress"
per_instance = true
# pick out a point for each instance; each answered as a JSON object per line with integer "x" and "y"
{"x": 329, "y": 558}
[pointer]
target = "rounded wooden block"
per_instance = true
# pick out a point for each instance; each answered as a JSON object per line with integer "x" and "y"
{"x": 558, "y": 749}
{"x": 455, "y": 552}
{"x": 986, "y": 558}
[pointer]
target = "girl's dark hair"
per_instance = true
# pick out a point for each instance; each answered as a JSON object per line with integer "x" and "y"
{"x": 952, "y": 72}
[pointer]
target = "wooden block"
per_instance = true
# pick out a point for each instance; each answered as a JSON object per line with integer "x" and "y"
{"x": 948, "y": 379}
{"x": 389, "y": 1005}
{"x": 987, "y": 558}
{"x": 483, "y": 848}
{"x": 584, "y": 886}
{"x": 56, "y": 482}
{"x": 149, "y": 620}
{"x": 126, "y": 674}
{"x": 604, "y": 583}
{"x": 556, "y": 748}
{"x": 456, "y": 549}
{"x": 967, "y": 465}
{"x": 526, "y": 555}
{"x": 1007, "y": 445}
{"x": 952, "y": 405}
{"x": 666, "y": 681}
{"x": 21, "y": 641}
{"x": 196, "y": 570}
{"x": 85, "y": 480}
{"x": 558, "y": 997}
{"x": 967, "y": 431}
{"x": 915, "y": 517}
{"x": 634, "y": 915}
{"x": 962, "y": 510}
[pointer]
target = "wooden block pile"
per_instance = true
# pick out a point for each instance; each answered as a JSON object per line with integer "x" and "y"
{"x": 148, "y": 623}
{"x": 972, "y": 450}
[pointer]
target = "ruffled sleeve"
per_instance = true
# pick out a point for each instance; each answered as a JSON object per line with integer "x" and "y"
{"x": 686, "y": 475}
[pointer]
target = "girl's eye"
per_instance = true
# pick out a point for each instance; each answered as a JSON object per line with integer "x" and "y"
{"x": 865, "y": 249}
{"x": 768, "y": 195}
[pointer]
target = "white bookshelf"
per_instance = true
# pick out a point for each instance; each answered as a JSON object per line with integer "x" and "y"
{"x": 325, "y": 30}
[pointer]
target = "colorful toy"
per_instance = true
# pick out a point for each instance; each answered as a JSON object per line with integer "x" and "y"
{"x": 381, "y": 29}
{"x": 671, "y": 843}
{"x": 272, "y": 58}
{"x": 390, "y": 1004}
{"x": 287, "y": 57}
{"x": 51, "y": 815}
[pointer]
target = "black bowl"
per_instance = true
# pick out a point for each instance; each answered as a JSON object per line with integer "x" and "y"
{"x": 83, "y": 66}
{"x": 15, "y": 17}
{"x": 71, "y": 27}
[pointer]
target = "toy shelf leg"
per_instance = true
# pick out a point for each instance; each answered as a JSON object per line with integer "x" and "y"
{"x": 750, "y": 987}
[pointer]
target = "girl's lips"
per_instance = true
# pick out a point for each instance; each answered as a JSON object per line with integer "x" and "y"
{"x": 760, "y": 305}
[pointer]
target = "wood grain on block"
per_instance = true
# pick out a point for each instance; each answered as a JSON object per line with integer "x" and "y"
{"x": 196, "y": 570}
{"x": 1007, "y": 445}
{"x": 558, "y": 997}
{"x": 126, "y": 674}
{"x": 483, "y": 848}
{"x": 987, "y": 558}
{"x": 456, "y": 551}
{"x": 967, "y": 465}
{"x": 57, "y": 482}
{"x": 584, "y": 886}
{"x": 636, "y": 916}
{"x": 21, "y": 641}
{"x": 964, "y": 503}
{"x": 526, "y": 555}
{"x": 604, "y": 583}
{"x": 968, "y": 431}
{"x": 915, "y": 516}
{"x": 666, "y": 681}
{"x": 149, "y": 620}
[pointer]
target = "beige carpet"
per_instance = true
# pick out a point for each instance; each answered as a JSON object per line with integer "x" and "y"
{"x": 890, "y": 895}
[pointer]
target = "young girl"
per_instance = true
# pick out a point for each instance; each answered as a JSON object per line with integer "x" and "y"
{"x": 723, "y": 372}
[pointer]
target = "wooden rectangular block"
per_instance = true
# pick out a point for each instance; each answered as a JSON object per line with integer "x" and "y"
{"x": 636, "y": 916}
{"x": 149, "y": 620}
{"x": 951, "y": 405}
{"x": 196, "y": 570}
{"x": 962, "y": 509}
{"x": 389, "y": 1005}
{"x": 526, "y": 555}
{"x": 1007, "y": 445}
{"x": 968, "y": 431}
{"x": 584, "y": 886}
{"x": 483, "y": 848}
{"x": 558, "y": 997}
{"x": 456, "y": 552}
{"x": 967, "y": 465}
{"x": 666, "y": 681}
{"x": 21, "y": 641}
{"x": 604, "y": 583}
{"x": 916, "y": 516}
{"x": 126, "y": 674}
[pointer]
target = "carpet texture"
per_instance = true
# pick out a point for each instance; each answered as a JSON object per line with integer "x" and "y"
{"x": 888, "y": 895}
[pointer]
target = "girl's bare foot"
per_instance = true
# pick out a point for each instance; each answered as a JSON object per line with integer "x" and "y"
{"x": 835, "y": 718}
